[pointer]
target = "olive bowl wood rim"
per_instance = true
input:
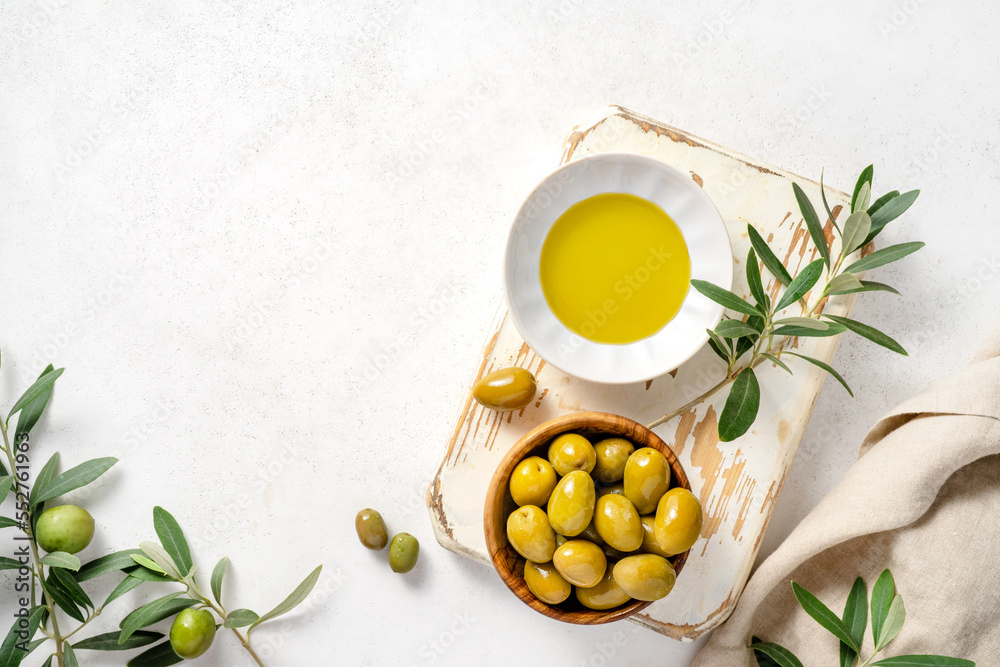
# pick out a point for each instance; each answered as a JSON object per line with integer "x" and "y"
{"x": 507, "y": 562}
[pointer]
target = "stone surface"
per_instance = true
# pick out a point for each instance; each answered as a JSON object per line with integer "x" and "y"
{"x": 220, "y": 216}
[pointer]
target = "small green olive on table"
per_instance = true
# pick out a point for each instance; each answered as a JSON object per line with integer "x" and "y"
{"x": 505, "y": 390}
{"x": 371, "y": 529}
{"x": 403, "y": 553}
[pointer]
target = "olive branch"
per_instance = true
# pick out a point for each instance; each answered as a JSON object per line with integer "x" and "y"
{"x": 763, "y": 328}
{"x": 52, "y": 586}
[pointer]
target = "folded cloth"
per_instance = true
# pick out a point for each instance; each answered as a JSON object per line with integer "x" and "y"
{"x": 923, "y": 500}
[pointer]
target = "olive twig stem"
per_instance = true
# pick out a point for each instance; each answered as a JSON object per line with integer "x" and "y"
{"x": 49, "y": 603}
{"x": 221, "y": 611}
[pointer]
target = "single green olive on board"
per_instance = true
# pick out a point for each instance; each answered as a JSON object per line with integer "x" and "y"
{"x": 612, "y": 455}
{"x": 371, "y": 529}
{"x": 192, "y": 633}
{"x": 529, "y": 532}
{"x": 532, "y": 481}
{"x": 545, "y": 582}
{"x": 607, "y": 594}
{"x": 64, "y": 528}
{"x": 403, "y": 552}
{"x": 571, "y": 506}
{"x": 647, "y": 478}
{"x": 505, "y": 390}
{"x": 580, "y": 562}
{"x": 617, "y": 522}
{"x": 678, "y": 521}
{"x": 649, "y": 543}
{"x": 645, "y": 577}
{"x": 571, "y": 451}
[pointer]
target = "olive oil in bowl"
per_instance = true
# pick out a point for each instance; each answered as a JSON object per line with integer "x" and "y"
{"x": 614, "y": 268}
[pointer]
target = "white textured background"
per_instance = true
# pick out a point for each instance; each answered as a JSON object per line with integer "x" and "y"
{"x": 218, "y": 214}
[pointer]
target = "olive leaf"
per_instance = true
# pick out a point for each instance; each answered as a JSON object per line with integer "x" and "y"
{"x": 871, "y": 333}
{"x": 741, "y": 406}
{"x": 865, "y": 178}
{"x": 871, "y": 286}
{"x": 804, "y": 322}
{"x": 822, "y": 615}
{"x": 153, "y": 612}
{"x": 161, "y": 558}
{"x": 69, "y": 657}
{"x": 140, "y": 572}
{"x": 6, "y": 484}
{"x": 10, "y": 654}
{"x": 58, "y": 559}
{"x": 74, "y": 478}
{"x": 863, "y": 200}
{"x": 889, "y": 211}
{"x": 31, "y": 412}
{"x": 725, "y": 298}
{"x": 856, "y": 231}
{"x": 826, "y": 205}
{"x": 172, "y": 538}
{"x": 776, "y": 361}
{"x": 883, "y": 593}
{"x": 779, "y": 654}
{"x": 826, "y": 367}
{"x": 239, "y": 618}
{"x": 296, "y": 598}
{"x": 160, "y": 655}
{"x": 40, "y": 386}
{"x": 109, "y": 641}
{"x": 754, "y": 281}
{"x": 812, "y": 224}
{"x": 923, "y": 661}
{"x": 882, "y": 201}
{"x": 767, "y": 256}
{"x": 218, "y": 574}
{"x": 107, "y": 564}
{"x": 62, "y": 598}
{"x": 9, "y": 563}
{"x": 856, "y": 619}
{"x": 885, "y": 256}
{"x": 7, "y": 522}
{"x": 734, "y": 329}
{"x": 793, "y": 330}
{"x": 845, "y": 283}
{"x": 45, "y": 476}
{"x": 123, "y": 587}
{"x": 894, "y": 620}
{"x": 70, "y": 585}
{"x": 147, "y": 563}
{"x": 801, "y": 284}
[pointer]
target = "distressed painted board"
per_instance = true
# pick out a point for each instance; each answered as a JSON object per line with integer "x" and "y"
{"x": 737, "y": 482}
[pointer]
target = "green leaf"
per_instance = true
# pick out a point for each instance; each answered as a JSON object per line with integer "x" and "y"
{"x": 893, "y": 623}
{"x": 724, "y": 297}
{"x": 885, "y": 256}
{"x": 295, "y": 599}
{"x": 805, "y": 323}
{"x": 172, "y": 538}
{"x": 139, "y": 572}
{"x": 843, "y": 284}
{"x": 66, "y": 580}
{"x": 61, "y": 559}
{"x": 218, "y": 574}
{"x": 744, "y": 344}
{"x": 767, "y": 256}
{"x": 48, "y": 661}
{"x": 74, "y": 478}
{"x": 43, "y": 479}
{"x": 109, "y": 641}
{"x": 826, "y": 206}
{"x": 891, "y": 210}
{"x": 864, "y": 199}
{"x": 754, "y": 281}
{"x": 871, "y": 286}
{"x": 153, "y": 612}
{"x": 822, "y": 615}
{"x": 33, "y": 411}
{"x": 871, "y": 333}
{"x": 801, "y": 284}
{"x": 882, "y": 201}
{"x": 62, "y": 598}
{"x": 6, "y": 484}
{"x": 106, "y": 564}
{"x": 864, "y": 179}
{"x": 741, "y": 406}
{"x": 856, "y": 619}
{"x": 239, "y": 618}
{"x": 35, "y": 644}
{"x": 160, "y": 655}
{"x": 9, "y": 563}
{"x": 7, "y": 522}
{"x": 792, "y": 330}
{"x": 779, "y": 654}
{"x": 883, "y": 592}
{"x": 69, "y": 657}
{"x": 826, "y": 367}
{"x": 763, "y": 660}
{"x": 813, "y": 224}
{"x": 147, "y": 563}
{"x": 10, "y": 654}
{"x": 776, "y": 361}
{"x": 41, "y": 385}
{"x": 734, "y": 329}
{"x": 924, "y": 661}
{"x": 161, "y": 558}
{"x": 856, "y": 231}
{"x": 123, "y": 587}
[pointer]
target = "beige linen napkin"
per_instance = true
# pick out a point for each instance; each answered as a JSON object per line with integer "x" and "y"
{"x": 923, "y": 500}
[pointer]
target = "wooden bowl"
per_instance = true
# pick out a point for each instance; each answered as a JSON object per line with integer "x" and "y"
{"x": 508, "y": 563}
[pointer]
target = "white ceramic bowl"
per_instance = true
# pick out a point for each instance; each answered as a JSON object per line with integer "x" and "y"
{"x": 708, "y": 246}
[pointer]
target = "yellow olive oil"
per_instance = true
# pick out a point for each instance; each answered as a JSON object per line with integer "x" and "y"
{"x": 615, "y": 268}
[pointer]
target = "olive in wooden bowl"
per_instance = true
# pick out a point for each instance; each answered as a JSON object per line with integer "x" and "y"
{"x": 564, "y": 587}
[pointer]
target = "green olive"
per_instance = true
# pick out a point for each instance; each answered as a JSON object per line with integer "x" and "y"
{"x": 560, "y": 540}
{"x": 192, "y": 633}
{"x": 678, "y": 521}
{"x": 532, "y": 481}
{"x": 64, "y": 528}
{"x": 506, "y": 389}
{"x": 570, "y": 451}
{"x": 591, "y": 535}
{"x": 580, "y": 562}
{"x": 403, "y": 552}
{"x": 529, "y": 532}
{"x": 618, "y": 523}
{"x": 607, "y": 594}
{"x": 371, "y": 529}
{"x": 545, "y": 582}
{"x": 647, "y": 478}
{"x": 612, "y": 455}
{"x": 645, "y": 577}
{"x": 613, "y": 555}
{"x": 618, "y": 489}
{"x": 649, "y": 543}
{"x": 571, "y": 506}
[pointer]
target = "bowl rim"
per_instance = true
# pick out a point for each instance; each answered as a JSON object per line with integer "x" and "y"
{"x": 716, "y": 310}
{"x": 508, "y": 564}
